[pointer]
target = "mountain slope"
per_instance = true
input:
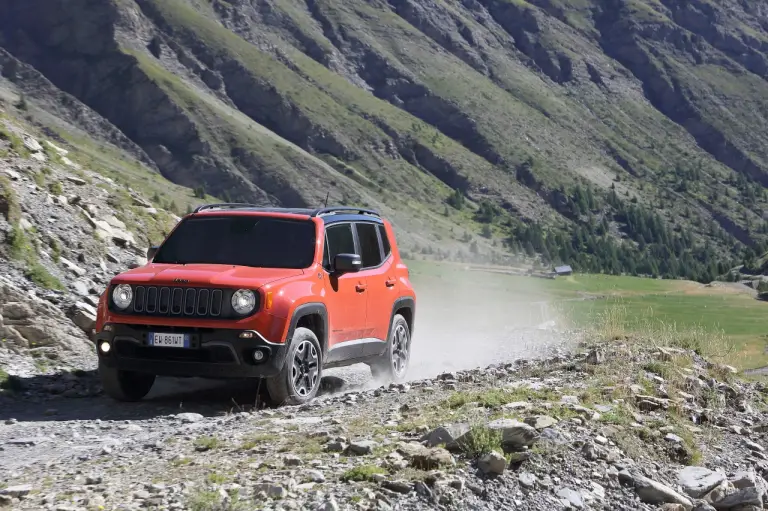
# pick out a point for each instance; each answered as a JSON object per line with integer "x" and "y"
{"x": 613, "y": 134}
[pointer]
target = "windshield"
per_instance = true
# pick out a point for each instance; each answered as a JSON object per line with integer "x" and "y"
{"x": 257, "y": 241}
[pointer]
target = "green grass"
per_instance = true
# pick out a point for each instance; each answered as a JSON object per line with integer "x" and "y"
{"x": 206, "y": 443}
{"x": 8, "y": 195}
{"x": 714, "y": 320}
{"x": 362, "y": 473}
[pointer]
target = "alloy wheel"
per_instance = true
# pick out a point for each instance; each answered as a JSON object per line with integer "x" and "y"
{"x": 306, "y": 363}
{"x": 399, "y": 350}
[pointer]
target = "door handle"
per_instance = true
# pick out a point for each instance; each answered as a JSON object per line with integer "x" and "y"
{"x": 390, "y": 282}
{"x": 360, "y": 288}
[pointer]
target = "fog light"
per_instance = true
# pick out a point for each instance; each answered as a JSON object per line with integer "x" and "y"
{"x": 105, "y": 347}
{"x": 258, "y": 355}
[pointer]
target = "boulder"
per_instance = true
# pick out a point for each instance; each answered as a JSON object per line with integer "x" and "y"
{"x": 446, "y": 435}
{"x": 492, "y": 463}
{"x": 698, "y": 481}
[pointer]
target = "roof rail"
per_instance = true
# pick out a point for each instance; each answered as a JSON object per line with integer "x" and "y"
{"x": 344, "y": 209}
{"x": 224, "y": 205}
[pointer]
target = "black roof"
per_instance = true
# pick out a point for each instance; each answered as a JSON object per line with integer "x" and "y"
{"x": 338, "y": 213}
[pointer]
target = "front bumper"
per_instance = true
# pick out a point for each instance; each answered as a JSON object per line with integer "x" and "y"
{"x": 213, "y": 353}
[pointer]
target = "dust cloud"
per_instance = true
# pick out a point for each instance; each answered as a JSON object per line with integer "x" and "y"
{"x": 472, "y": 322}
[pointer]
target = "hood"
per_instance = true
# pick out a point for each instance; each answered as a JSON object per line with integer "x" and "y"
{"x": 204, "y": 275}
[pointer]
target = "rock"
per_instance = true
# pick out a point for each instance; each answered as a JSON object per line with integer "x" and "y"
{"x": 433, "y": 459}
{"x": 15, "y": 176}
{"x": 652, "y": 492}
{"x": 328, "y": 505}
{"x": 752, "y": 446}
{"x": 596, "y": 357}
{"x": 31, "y": 144}
{"x": 60, "y": 150}
{"x": 446, "y": 435}
{"x": 76, "y": 180}
{"x": 698, "y": 481}
{"x": 189, "y": 418}
{"x": 69, "y": 265}
{"x": 314, "y": 476}
{"x": 424, "y": 458}
{"x": 21, "y": 490}
{"x": 362, "y": 447}
{"x": 515, "y": 435}
{"x": 571, "y": 496}
{"x": 750, "y": 496}
{"x": 336, "y": 446}
{"x": 540, "y": 422}
{"x": 84, "y": 316}
{"x": 671, "y": 437}
{"x": 292, "y": 460}
{"x": 516, "y": 405}
{"x": 526, "y": 479}
{"x": 403, "y": 487}
{"x": 81, "y": 288}
{"x": 274, "y": 491}
{"x": 492, "y": 463}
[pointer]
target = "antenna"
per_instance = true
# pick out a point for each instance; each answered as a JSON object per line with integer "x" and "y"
{"x": 326, "y": 199}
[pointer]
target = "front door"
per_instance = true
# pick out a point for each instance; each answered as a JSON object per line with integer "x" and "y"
{"x": 347, "y": 294}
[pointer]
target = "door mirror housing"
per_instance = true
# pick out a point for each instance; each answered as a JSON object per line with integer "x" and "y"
{"x": 347, "y": 263}
{"x": 151, "y": 251}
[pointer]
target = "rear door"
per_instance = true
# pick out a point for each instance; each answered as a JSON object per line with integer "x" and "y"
{"x": 346, "y": 294}
{"x": 378, "y": 269}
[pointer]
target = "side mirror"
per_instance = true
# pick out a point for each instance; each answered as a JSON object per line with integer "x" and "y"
{"x": 151, "y": 251}
{"x": 347, "y": 263}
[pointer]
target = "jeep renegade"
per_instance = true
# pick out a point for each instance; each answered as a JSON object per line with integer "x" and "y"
{"x": 237, "y": 291}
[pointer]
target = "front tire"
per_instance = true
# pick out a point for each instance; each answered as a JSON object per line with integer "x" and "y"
{"x": 125, "y": 385}
{"x": 299, "y": 380}
{"x": 392, "y": 366}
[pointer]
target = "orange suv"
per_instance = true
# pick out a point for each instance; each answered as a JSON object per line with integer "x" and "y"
{"x": 238, "y": 291}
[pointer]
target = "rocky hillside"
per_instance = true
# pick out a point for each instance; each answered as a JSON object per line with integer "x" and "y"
{"x": 593, "y": 120}
{"x": 619, "y": 426}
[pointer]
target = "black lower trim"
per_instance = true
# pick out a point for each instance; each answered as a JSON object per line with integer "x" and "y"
{"x": 213, "y": 353}
{"x": 354, "y": 352}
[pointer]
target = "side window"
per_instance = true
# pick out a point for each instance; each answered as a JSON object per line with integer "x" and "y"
{"x": 370, "y": 251}
{"x": 338, "y": 240}
{"x": 384, "y": 241}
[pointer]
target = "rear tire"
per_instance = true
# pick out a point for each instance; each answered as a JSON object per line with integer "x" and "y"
{"x": 299, "y": 380}
{"x": 125, "y": 385}
{"x": 392, "y": 365}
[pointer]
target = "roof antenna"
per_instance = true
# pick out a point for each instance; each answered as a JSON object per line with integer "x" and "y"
{"x": 326, "y": 198}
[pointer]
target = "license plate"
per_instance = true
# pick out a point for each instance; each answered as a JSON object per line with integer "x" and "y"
{"x": 168, "y": 340}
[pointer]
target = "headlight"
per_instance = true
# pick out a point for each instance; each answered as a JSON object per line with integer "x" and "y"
{"x": 122, "y": 296}
{"x": 243, "y": 301}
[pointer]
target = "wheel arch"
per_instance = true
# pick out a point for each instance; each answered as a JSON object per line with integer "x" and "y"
{"x": 406, "y": 307}
{"x": 313, "y": 316}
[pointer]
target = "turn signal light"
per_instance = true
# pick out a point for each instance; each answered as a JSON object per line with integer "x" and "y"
{"x": 268, "y": 301}
{"x": 246, "y": 335}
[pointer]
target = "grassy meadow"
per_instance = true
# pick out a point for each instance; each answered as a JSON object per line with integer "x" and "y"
{"x": 723, "y": 321}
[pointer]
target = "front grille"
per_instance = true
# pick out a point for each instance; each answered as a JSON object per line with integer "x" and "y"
{"x": 180, "y": 302}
